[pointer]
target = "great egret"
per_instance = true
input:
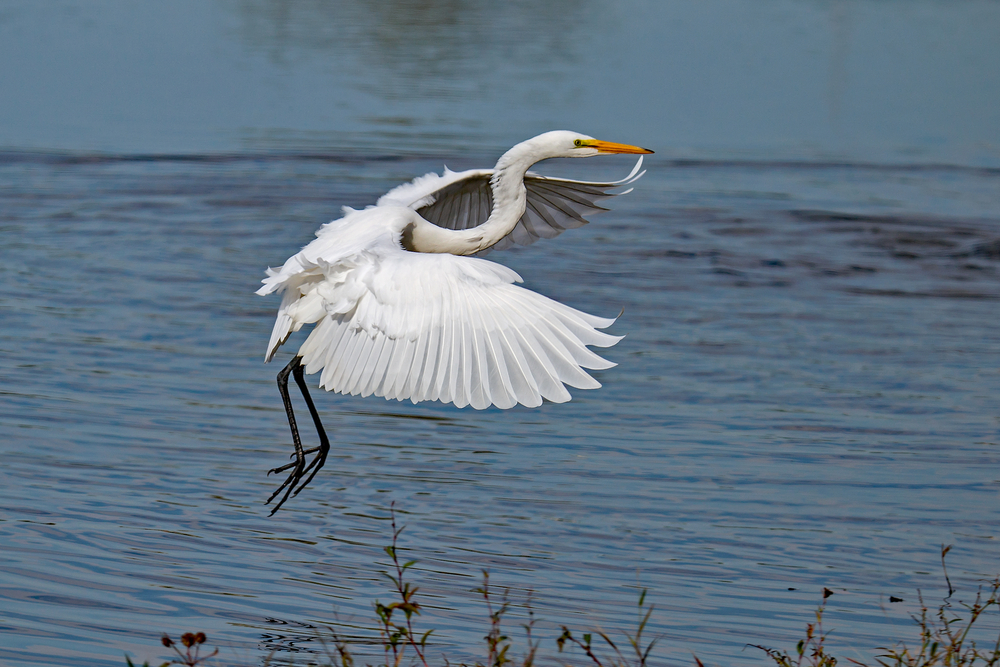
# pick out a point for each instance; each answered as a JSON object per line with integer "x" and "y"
{"x": 402, "y": 311}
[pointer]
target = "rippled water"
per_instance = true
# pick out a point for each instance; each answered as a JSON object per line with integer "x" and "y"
{"x": 806, "y": 397}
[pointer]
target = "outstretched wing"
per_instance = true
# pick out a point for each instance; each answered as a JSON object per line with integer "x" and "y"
{"x": 447, "y": 328}
{"x": 463, "y": 200}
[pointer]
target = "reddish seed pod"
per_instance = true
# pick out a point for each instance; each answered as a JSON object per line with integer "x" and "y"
{"x": 167, "y": 641}
{"x": 187, "y": 639}
{"x": 200, "y": 638}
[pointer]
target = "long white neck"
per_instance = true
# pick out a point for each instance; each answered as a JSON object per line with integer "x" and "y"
{"x": 509, "y": 196}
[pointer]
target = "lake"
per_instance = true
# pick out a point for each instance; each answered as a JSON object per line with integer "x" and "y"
{"x": 806, "y": 395}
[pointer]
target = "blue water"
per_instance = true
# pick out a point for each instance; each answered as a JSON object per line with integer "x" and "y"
{"x": 806, "y": 395}
{"x": 897, "y": 81}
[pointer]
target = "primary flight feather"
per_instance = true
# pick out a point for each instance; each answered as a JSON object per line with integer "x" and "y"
{"x": 400, "y": 309}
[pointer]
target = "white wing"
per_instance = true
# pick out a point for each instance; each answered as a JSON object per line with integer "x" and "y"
{"x": 439, "y": 327}
{"x": 463, "y": 200}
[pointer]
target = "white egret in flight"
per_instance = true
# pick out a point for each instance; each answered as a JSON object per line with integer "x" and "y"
{"x": 401, "y": 310}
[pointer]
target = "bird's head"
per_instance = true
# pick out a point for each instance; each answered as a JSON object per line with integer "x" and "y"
{"x": 558, "y": 143}
{"x": 561, "y": 143}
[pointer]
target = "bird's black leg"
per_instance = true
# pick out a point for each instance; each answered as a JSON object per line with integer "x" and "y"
{"x": 324, "y": 442}
{"x": 300, "y": 458}
{"x": 296, "y": 368}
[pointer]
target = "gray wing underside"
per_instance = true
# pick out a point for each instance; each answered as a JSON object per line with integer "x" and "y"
{"x": 553, "y": 205}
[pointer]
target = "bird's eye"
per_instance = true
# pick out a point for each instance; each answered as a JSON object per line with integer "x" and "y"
{"x": 578, "y": 143}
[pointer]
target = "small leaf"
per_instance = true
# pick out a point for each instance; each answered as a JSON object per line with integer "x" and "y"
{"x": 645, "y": 620}
{"x": 408, "y": 607}
{"x": 561, "y": 641}
{"x": 649, "y": 648}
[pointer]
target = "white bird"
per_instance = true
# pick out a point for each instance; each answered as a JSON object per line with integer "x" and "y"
{"x": 402, "y": 311}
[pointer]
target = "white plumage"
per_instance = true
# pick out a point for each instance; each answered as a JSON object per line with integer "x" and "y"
{"x": 400, "y": 311}
{"x": 438, "y": 327}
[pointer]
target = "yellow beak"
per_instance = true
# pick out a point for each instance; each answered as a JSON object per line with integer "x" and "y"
{"x": 608, "y": 147}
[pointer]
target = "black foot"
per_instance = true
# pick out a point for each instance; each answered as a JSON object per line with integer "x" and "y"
{"x": 299, "y": 469}
{"x": 293, "y": 463}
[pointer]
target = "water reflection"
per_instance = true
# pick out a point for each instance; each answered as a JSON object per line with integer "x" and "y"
{"x": 840, "y": 18}
{"x": 818, "y": 78}
{"x": 858, "y": 78}
{"x": 413, "y": 47}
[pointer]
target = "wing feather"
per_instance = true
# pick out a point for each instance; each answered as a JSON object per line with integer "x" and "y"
{"x": 413, "y": 372}
{"x": 464, "y": 200}
{"x": 401, "y": 348}
{"x": 363, "y": 358}
{"x": 522, "y": 383}
{"x": 448, "y": 328}
{"x": 549, "y": 387}
{"x": 349, "y": 358}
{"x": 470, "y": 370}
{"x": 568, "y": 214}
{"x": 432, "y": 361}
{"x": 456, "y": 352}
{"x": 341, "y": 338}
{"x": 368, "y": 379}
{"x": 544, "y": 225}
{"x": 324, "y": 357}
{"x": 378, "y": 375}
{"x": 322, "y": 337}
{"x": 571, "y": 332}
{"x": 480, "y": 376}
{"x": 563, "y": 357}
{"x": 439, "y": 384}
{"x": 501, "y": 388}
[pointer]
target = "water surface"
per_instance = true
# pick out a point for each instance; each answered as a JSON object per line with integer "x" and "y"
{"x": 805, "y": 397}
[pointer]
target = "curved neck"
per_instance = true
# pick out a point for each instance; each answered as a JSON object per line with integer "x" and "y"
{"x": 509, "y": 197}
